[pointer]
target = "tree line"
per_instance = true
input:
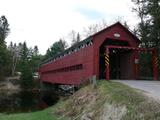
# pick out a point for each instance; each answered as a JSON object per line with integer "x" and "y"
{"x": 148, "y": 29}
{"x": 17, "y": 58}
{"x": 25, "y": 60}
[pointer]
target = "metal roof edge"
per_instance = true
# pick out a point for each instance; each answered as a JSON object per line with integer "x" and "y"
{"x": 68, "y": 49}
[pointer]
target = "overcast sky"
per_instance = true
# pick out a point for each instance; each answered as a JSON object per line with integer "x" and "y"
{"x": 42, "y": 22}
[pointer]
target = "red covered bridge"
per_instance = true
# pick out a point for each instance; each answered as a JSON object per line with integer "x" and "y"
{"x": 112, "y": 53}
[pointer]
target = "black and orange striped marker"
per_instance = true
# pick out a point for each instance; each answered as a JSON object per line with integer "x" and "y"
{"x": 156, "y": 61}
{"x": 106, "y": 59}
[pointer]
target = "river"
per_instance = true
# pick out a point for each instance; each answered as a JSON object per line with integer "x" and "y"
{"x": 26, "y": 101}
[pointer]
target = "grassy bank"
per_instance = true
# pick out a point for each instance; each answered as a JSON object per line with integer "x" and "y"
{"x": 41, "y": 115}
{"x": 108, "y": 100}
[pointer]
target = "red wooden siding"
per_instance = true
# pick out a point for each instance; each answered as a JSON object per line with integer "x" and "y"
{"x": 82, "y": 57}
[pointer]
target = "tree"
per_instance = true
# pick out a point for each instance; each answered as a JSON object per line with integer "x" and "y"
{"x": 149, "y": 28}
{"x": 76, "y": 40}
{"x": 4, "y": 53}
{"x": 126, "y": 25}
{"x": 12, "y": 49}
{"x": 35, "y": 50}
{"x": 16, "y": 53}
{"x": 72, "y": 36}
{"x": 4, "y": 29}
{"x": 56, "y": 48}
{"x": 26, "y": 71}
{"x": 78, "y": 37}
{"x": 26, "y": 77}
{"x": 94, "y": 28}
{"x": 154, "y": 11}
{"x": 91, "y": 29}
{"x": 36, "y": 59}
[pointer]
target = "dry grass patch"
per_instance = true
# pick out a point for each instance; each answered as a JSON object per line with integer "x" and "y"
{"x": 108, "y": 101}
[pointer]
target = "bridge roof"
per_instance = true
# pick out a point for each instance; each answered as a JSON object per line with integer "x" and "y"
{"x": 89, "y": 39}
{"x": 85, "y": 41}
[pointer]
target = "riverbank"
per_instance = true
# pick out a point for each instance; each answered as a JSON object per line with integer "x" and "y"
{"x": 14, "y": 84}
{"x": 107, "y": 100}
{"x": 9, "y": 86}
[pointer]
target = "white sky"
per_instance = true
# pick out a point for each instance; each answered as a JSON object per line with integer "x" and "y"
{"x": 42, "y": 22}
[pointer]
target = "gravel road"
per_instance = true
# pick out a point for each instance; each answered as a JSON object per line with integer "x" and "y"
{"x": 151, "y": 88}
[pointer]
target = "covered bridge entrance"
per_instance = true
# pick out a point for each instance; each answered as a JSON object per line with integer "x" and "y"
{"x": 123, "y": 62}
{"x": 120, "y": 56}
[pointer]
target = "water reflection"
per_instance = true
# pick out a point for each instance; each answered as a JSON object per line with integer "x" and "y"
{"x": 26, "y": 101}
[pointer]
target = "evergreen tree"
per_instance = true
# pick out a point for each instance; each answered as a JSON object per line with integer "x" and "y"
{"x": 4, "y": 29}
{"x": 154, "y": 11}
{"x": 36, "y": 59}
{"x": 35, "y": 50}
{"x": 4, "y": 53}
{"x": 149, "y": 28}
{"x": 56, "y": 48}
{"x": 26, "y": 71}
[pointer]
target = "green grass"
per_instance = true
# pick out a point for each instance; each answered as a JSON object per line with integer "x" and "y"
{"x": 41, "y": 115}
{"x": 95, "y": 102}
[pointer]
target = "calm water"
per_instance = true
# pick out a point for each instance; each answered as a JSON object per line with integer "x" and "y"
{"x": 26, "y": 101}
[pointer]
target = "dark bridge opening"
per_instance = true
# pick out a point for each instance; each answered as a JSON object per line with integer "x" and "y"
{"x": 118, "y": 63}
{"x": 114, "y": 60}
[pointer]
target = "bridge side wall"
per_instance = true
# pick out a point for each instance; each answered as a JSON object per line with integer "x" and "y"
{"x": 71, "y": 69}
